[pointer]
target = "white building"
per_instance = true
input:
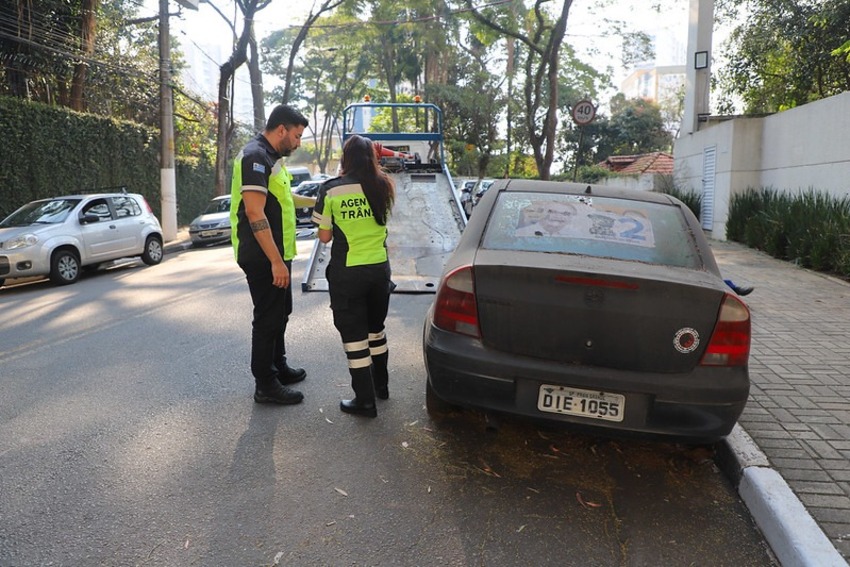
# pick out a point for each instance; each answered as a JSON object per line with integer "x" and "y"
{"x": 201, "y": 76}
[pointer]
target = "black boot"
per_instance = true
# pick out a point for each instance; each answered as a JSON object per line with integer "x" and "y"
{"x": 287, "y": 375}
{"x": 363, "y": 403}
{"x": 270, "y": 391}
{"x": 380, "y": 376}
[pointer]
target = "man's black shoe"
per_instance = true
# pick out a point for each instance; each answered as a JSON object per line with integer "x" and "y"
{"x": 356, "y": 407}
{"x": 745, "y": 290}
{"x": 289, "y": 375}
{"x": 278, "y": 394}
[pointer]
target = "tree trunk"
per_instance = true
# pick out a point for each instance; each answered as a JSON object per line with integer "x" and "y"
{"x": 87, "y": 38}
{"x": 256, "y": 84}
{"x": 225, "y": 110}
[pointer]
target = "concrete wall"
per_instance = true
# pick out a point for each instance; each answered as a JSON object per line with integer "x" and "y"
{"x": 643, "y": 182}
{"x": 803, "y": 148}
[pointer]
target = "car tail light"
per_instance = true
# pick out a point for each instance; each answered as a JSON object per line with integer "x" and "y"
{"x": 730, "y": 342}
{"x": 454, "y": 307}
{"x": 147, "y": 205}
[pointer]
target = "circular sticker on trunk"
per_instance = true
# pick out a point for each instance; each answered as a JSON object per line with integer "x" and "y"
{"x": 686, "y": 340}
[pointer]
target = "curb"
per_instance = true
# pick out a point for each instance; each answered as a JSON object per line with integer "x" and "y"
{"x": 793, "y": 536}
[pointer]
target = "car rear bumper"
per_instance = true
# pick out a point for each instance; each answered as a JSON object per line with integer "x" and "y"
{"x": 701, "y": 405}
{"x": 210, "y": 236}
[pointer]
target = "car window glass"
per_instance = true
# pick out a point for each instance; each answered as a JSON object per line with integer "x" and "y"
{"x": 126, "y": 206}
{"x": 98, "y": 208}
{"x": 593, "y": 226}
{"x": 217, "y": 206}
{"x": 41, "y": 212}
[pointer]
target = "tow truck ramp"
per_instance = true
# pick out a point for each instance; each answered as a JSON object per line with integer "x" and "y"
{"x": 426, "y": 221}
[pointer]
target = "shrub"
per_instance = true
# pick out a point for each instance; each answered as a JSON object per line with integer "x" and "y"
{"x": 810, "y": 228}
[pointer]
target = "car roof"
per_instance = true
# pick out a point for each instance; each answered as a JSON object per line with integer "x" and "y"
{"x": 88, "y": 196}
{"x": 569, "y": 188}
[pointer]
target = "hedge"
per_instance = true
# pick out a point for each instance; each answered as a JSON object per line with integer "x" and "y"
{"x": 50, "y": 151}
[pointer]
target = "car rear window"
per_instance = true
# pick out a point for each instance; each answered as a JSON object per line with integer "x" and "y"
{"x": 591, "y": 226}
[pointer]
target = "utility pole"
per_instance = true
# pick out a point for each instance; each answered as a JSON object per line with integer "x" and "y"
{"x": 167, "y": 181}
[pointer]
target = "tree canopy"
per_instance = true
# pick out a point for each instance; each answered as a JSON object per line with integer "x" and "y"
{"x": 784, "y": 53}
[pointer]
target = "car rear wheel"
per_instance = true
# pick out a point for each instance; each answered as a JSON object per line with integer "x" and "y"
{"x": 153, "y": 250}
{"x": 64, "y": 267}
{"x": 434, "y": 404}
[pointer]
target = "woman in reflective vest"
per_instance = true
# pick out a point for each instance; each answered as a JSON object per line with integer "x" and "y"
{"x": 352, "y": 211}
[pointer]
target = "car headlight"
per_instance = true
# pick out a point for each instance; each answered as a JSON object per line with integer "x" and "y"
{"x": 224, "y": 224}
{"x": 21, "y": 241}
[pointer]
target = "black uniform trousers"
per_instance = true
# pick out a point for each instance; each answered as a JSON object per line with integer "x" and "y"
{"x": 360, "y": 299}
{"x": 272, "y": 306}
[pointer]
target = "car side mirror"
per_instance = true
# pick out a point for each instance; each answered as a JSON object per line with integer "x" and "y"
{"x": 89, "y": 219}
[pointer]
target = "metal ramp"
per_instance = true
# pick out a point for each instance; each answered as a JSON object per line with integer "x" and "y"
{"x": 427, "y": 219}
{"x": 424, "y": 229}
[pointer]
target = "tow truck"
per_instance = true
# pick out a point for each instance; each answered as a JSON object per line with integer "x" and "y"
{"x": 427, "y": 218}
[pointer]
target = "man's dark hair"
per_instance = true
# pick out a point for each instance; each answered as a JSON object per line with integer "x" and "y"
{"x": 287, "y": 116}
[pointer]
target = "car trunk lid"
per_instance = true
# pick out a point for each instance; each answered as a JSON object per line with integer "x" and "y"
{"x": 595, "y": 312}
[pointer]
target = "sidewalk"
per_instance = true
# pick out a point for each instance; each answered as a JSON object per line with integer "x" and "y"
{"x": 790, "y": 454}
{"x": 181, "y": 242}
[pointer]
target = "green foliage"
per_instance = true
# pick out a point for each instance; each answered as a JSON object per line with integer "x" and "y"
{"x": 810, "y": 228}
{"x": 591, "y": 174}
{"x": 397, "y": 119}
{"x": 636, "y": 126}
{"x": 44, "y": 48}
{"x": 784, "y": 53}
{"x": 79, "y": 152}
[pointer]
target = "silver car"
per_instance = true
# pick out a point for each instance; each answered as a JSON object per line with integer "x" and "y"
{"x": 57, "y": 237}
{"x": 213, "y": 225}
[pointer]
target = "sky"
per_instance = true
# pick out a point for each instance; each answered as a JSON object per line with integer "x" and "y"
{"x": 205, "y": 32}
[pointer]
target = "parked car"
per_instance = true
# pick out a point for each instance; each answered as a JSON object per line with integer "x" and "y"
{"x": 303, "y": 215}
{"x": 466, "y": 195}
{"x": 60, "y": 236}
{"x": 212, "y": 226}
{"x": 480, "y": 190}
{"x": 299, "y": 175}
{"x": 591, "y": 306}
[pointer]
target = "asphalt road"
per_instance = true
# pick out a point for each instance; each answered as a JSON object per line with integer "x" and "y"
{"x": 128, "y": 437}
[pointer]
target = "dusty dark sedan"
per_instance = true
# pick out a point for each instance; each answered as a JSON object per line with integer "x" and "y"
{"x": 589, "y": 305}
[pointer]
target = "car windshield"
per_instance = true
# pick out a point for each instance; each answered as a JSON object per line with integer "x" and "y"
{"x": 53, "y": 211}
{"x": 217, "y": 206}
{"x": 592, "y": 226}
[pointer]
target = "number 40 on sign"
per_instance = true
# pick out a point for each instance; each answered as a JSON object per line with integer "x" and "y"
{"x": 584, "y": 112}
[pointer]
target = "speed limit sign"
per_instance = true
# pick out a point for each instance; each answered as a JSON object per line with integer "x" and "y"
{"x": 584, "y": 112}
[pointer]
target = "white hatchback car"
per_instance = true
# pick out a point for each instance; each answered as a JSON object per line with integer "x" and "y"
{"x": 57, "y": 237}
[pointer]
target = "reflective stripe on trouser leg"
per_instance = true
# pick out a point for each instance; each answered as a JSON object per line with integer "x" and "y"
{"x": 377, "y": 343}
{"x": 360, "y": 368}
{"x": 357, "y": 353}
{"x": 380, "y": 356}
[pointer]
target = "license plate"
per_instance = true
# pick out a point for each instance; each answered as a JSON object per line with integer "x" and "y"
{"x": 585, "y": 403}
{"x": 210, "y": 233}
